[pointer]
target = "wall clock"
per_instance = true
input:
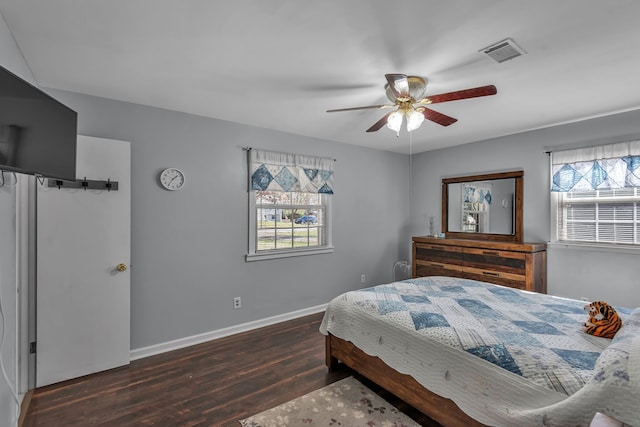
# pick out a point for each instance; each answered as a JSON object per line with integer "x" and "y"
{"x": 172, "y": 179}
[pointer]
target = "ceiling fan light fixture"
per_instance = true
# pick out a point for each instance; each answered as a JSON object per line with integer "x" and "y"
{"x": 407, "y": 95}
{"x": 394, "y": 121}
{"x": 416, "y": 89}
{"x": 414, "y": 120}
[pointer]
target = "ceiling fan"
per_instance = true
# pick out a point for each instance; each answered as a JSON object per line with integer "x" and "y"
{"x": 407, "y": 93}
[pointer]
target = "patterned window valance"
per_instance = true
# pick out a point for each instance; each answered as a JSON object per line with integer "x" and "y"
{"x": 272, "y": 171}
{"x": 596, "y": 168}
{"x": 477, "y": 193}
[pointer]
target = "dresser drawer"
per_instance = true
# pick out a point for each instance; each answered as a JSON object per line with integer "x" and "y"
{"x": 433, "y": 268}
{"x": 496, "y": 260}
{"x": 498, "y": 277}
{"x": 439, "y": 254}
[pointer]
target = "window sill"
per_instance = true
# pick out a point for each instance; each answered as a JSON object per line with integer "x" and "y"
{"x": 595, "y": 247}
{"x": 287, "y": 254}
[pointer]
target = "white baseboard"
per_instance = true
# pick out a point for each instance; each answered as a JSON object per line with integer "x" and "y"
{"x": 152, "y": 350}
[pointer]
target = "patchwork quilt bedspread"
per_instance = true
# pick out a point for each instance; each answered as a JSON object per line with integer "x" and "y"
{"x": 505, "y": 356}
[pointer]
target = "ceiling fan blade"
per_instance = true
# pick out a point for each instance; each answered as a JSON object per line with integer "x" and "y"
{"x": 439, "y": 118}
{"x": 380, "y": 123}
{"x": 399, "y": 84}
{"x": 460, "y": 94}
{"x": 362, "y": 108}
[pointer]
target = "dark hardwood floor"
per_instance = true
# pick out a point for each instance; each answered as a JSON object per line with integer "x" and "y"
{"x": 211, "y": 384}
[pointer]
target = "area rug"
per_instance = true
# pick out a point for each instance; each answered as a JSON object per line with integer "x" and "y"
{"x": 344, "y": 403}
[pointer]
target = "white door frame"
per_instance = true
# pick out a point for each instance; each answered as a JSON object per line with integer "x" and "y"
{"x": 25, "y": 227}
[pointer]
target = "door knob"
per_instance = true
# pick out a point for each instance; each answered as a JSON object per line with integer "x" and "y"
{"x": 121, "y": 267}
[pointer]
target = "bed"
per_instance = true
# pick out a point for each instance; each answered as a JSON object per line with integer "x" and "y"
{"x": 469, "y": 353}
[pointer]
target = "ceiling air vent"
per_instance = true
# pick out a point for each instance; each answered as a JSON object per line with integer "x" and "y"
{"x": 503, "y": 51}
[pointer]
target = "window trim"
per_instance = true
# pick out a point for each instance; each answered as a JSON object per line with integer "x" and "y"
{"x": 596, "y": 247}
{"x": 254, "y": 255}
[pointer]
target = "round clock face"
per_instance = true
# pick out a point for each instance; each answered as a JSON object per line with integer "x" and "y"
{"x": 172, "y": 179}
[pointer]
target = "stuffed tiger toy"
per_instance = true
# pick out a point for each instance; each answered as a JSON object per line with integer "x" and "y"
{"x": 603, "y": 320}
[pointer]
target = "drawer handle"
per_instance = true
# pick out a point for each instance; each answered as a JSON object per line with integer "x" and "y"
{"x": 433, "y": 264}
{"x": 490, "y": 253}
{"x": 491, "y": 273}
{"x": 438, "y": 248}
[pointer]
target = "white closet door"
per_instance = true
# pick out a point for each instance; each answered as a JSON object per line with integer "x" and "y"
{"x": 83, "y": 299}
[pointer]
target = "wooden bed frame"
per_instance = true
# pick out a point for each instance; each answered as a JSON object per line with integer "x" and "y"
{"x": 438, "y": 408}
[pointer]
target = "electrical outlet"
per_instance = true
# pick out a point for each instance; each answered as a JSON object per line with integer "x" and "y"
{"x": 363, "y": 278}
{"x": 237, "y": 303}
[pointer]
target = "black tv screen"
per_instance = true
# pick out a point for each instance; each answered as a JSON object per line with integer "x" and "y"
{"x": 37, "y": 133}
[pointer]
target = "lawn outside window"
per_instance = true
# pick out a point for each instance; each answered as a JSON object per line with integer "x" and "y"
{"x": 288, "y": 224}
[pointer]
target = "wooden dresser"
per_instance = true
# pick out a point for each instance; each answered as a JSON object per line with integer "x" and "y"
{"x": 517, "y": 265}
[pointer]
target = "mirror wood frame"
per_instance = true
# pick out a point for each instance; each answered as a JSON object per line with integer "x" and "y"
{"x": 518, "y": 204}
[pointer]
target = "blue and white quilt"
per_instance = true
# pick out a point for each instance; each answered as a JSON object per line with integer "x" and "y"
{"x": 510, "y": 357}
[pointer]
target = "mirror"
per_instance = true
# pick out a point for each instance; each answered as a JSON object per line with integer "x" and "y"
{"x": 483, "y": 207}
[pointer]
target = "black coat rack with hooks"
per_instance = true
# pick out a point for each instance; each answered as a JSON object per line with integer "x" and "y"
{"x": 86, "y": 184}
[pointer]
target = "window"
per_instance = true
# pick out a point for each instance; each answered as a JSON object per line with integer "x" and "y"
{"x": 595, "y": 195}
{"x": 283, "y": 222}
{"x": 599, "y": 216}
{"x": 290, "y": 221}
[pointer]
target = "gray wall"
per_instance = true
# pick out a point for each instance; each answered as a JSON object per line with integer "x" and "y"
{"x": 571, "y": 272}
{"x": 11, "y": 59}
{"x": 188, "y": 246}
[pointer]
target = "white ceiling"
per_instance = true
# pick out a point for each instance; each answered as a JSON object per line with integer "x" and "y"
{"x": 280, "y": 64}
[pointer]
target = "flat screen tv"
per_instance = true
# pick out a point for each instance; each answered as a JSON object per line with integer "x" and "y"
{"x": 37, "y": 133}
